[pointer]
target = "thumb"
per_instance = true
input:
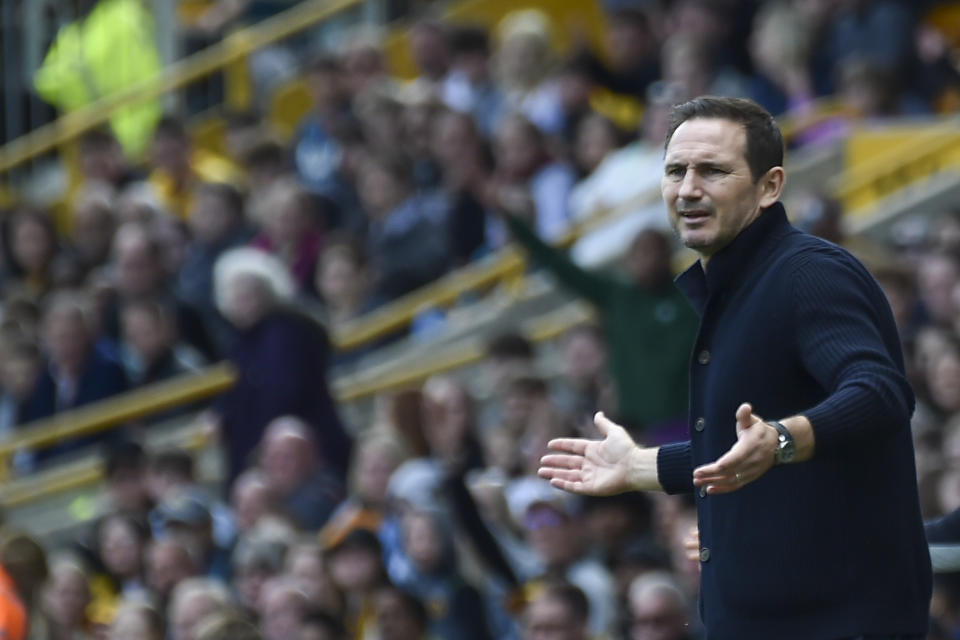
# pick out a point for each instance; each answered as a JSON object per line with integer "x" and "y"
{"x": 744, "y": 416}
{"x": 604, "y": 424}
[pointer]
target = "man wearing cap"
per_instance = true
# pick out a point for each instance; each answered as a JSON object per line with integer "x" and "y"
{"x": 809, "y": 518}
{"x": 186, "y": 515}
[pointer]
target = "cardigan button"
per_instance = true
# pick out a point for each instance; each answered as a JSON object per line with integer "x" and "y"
{"x": 703, "y": 492}
{"x": 704, "y": 554}
{"x": 700, "y": 424}
{"x": 703, "y": 357}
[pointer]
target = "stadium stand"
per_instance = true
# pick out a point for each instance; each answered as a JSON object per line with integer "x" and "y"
{"x": 255, "y": 272}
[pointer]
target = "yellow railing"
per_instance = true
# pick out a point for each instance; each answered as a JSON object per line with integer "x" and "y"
{"x": 112, "y": 412}
{"x": 232, "y": 48}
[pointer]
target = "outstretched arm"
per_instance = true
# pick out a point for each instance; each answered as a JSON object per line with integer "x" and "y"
{"x": 605, "y": 467}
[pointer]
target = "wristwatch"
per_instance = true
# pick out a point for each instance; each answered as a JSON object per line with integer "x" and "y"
{"x": 786, "y": 447}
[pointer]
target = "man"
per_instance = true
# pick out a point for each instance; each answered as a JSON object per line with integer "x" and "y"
{"x": 810, "y": 527}
{"x": 649, "y": 326}
{"x": 306, "y": 489}
{"x": 658, "y": 608}
{"x": 558, "y": 612}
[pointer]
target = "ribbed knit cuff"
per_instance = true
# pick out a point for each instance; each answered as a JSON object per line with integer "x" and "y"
{"x": 675, "y": 467}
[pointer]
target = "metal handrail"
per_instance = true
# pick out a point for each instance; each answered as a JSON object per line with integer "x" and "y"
{"x": 117, "y": 410}
{"x": 181, "y": 73}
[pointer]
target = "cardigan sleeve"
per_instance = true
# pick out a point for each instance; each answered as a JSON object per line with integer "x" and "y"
{"x": 675, "y": 467}
{"x": 848, "y": 342}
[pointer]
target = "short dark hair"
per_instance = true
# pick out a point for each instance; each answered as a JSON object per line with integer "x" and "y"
{"x": 764, "y": 140}
{"x": 225, "y": 192}
{"x": 466, "y": 39}
{"x": 510, "y": 345}
{"x": 123, "y": 455}
{"x": 571, "y": 596}
{"x": 175, "y": 461}
{"x": 171, "y": 127}
{"x": 325, "y": 621}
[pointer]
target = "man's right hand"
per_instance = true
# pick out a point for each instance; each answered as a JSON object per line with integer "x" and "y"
{"x": 600, "y": 467}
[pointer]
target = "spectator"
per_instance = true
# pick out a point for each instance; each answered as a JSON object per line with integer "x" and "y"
{"x": 554, "y": 532}
{"x": 450, "y": 424}
{"x": 649, "y": 324}
{"x": 406, "y": 243}
{"x": 400, "y": 616}
{"x": 65, "y": 600}
{"x": 307, "y": 492}
{"x": 306, "y": 569}
{"x": 316, "y": 148}
{"x": 658, "y": 609}
{"x": 465, "y": 163}
{"x": 94, "y": 224}
{"x": 633, "y": 51}
{"x": 937, "y": 278}
{"x": 151, "y": 351}
{"x": 469, "y": 88}
{"x": 356, "y": 566}
{"x": 77, "y": 371}
{"x": 527, "y": 182}
{"x": 284, "y": 608}
{"x": 136, "y": 620}
{"x": 523, "y": 60}
{"x": 31, "y": 244}
{"x": 171, "y": 471}
{"x": 120, "y": 544}
{"x": 186, "y": 516}
{"x": 193, "y": 600}
{"x": 23, "y": 570}
{"x": 125, "y": 484}
{"x": 19, "y": 371}
{"x": 318, "y": 625}
{"x": 217, "y": 224}
{"x": 177, "y": 167}
{"x": 343, "y": 283}
{"x": 169, "y": 562}
{"x": 140, "y": 274}
{"x": 780, "y": 45}
{"x": 596, "y": 138}
{"x": 226, "y": 625}
{"x": 102, "y": 160}
{"x": 252, "y": 292}
{"x": 430, "y": 49}
{"x": 430, "y": 572}
{"x": 289, "y": 230}
{"x": 559, "y": 611}
{"x": 377, "y": 455}
{"x": 585, "y": 386}
{"x": 251, "y": 498}
{"x": 256, "y": 560}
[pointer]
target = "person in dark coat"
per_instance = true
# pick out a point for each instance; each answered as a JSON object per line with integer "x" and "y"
{"x": 78, "y": 370}
{"x": 281, "y": 356}
{"x": 794, "y": 329}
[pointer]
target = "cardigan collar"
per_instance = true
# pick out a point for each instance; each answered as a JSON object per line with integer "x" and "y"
{"x": 728, "y": 264}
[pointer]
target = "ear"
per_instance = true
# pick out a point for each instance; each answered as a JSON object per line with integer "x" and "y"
{"x": 770, "y": 186}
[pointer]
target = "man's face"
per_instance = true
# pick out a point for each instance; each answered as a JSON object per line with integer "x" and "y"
{"x": 657, "y": 617}
{"x": 707, "y": 185}
{"x": 549, "y": 619}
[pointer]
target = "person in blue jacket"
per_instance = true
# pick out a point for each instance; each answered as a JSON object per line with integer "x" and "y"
{"x": 809, "y": 518}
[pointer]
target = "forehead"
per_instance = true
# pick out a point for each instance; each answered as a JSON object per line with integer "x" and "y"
{"x": 707, "y": 139}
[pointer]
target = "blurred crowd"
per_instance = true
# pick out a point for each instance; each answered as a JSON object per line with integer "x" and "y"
{"x": 429, "y": 522}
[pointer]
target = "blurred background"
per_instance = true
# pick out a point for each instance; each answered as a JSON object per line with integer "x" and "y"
{"x": 293, "y": 294}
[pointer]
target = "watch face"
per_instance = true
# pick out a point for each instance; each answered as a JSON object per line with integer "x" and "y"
{"x": 787, "y": 451}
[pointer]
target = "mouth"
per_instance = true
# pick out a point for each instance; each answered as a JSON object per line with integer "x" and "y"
{"x": 694, "y": 215}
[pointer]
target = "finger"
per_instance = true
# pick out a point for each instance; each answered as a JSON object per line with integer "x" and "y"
{"x": 576, "y": 446}
{"x": 566, "y": 485}
{"x": 566, "y": 475}
{"x": 560, "y": 461}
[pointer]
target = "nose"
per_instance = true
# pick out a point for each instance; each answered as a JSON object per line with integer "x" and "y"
{"x": 690, "y": 187}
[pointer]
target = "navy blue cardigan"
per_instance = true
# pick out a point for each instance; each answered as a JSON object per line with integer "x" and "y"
{"x": 832, "y": 547}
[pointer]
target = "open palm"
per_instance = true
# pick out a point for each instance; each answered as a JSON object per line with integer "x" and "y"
{"x": 591, "y": 467}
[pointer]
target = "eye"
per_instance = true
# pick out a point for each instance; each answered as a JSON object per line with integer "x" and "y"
{"x": 674, "y": 171}
{"x": 713, "y": 171}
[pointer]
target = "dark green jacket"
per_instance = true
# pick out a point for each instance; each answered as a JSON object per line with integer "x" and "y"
{"x": 649, "y": 334}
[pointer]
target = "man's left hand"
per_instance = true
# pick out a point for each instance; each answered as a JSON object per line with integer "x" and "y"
{"x": 748, "y": 459}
